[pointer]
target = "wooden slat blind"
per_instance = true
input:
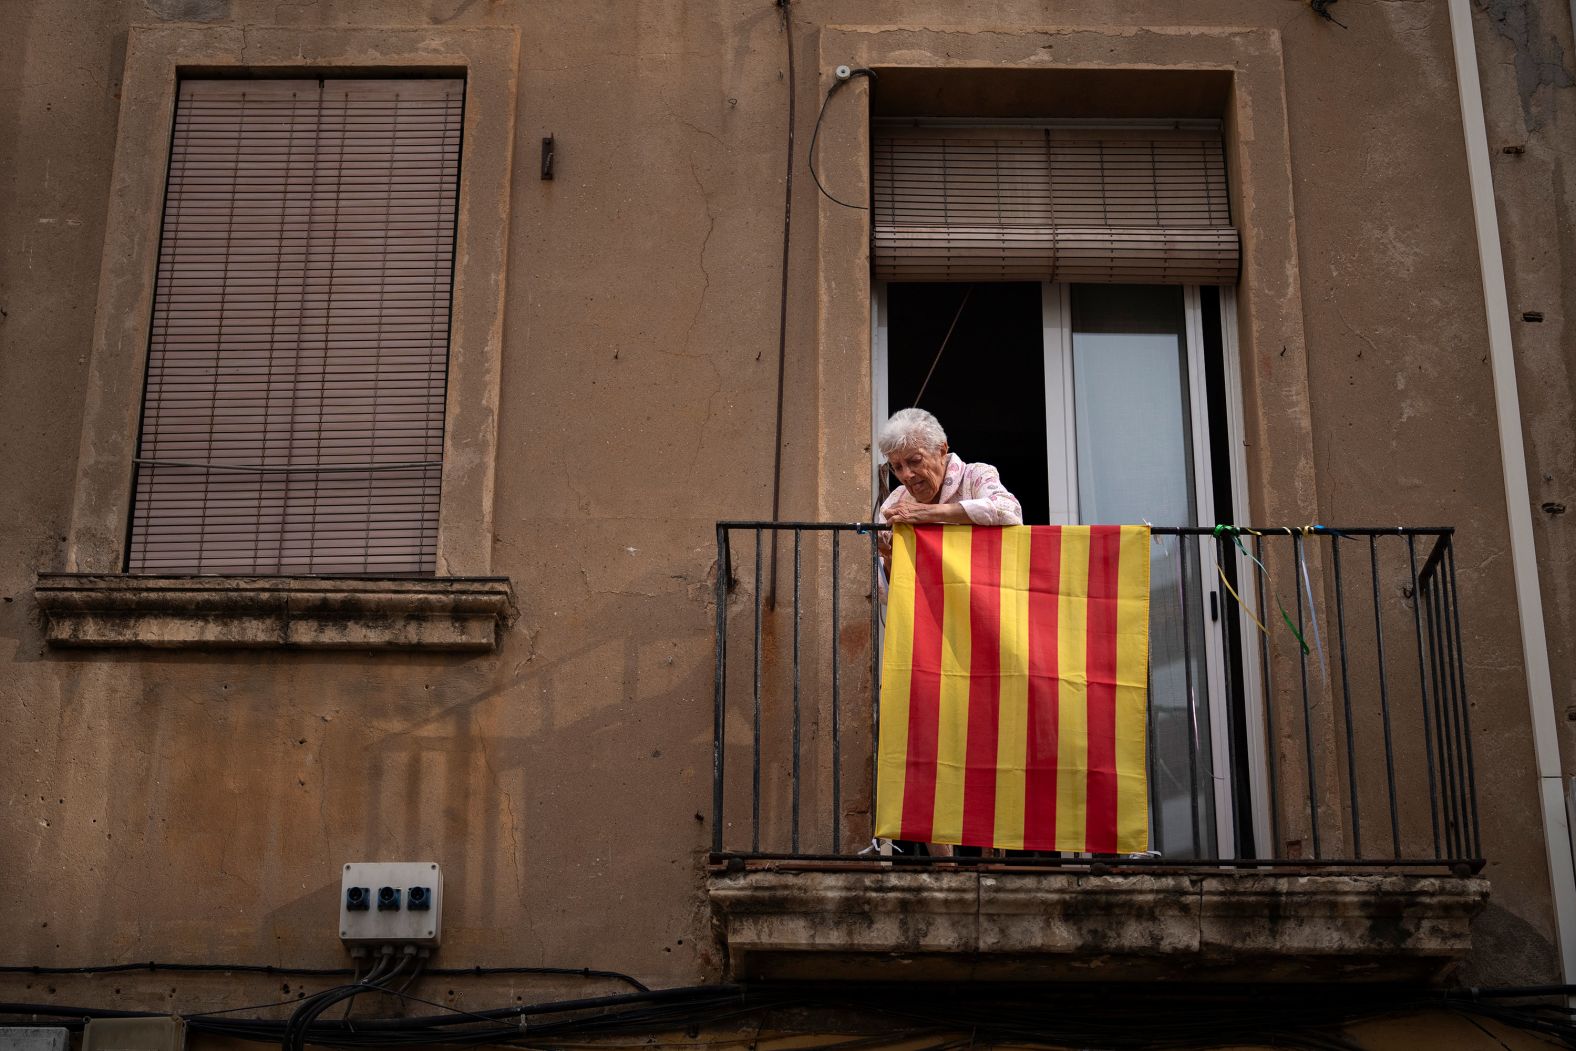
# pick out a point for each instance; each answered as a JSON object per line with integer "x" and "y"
{"x": 1110, "y": 205}
{"x": 293, "y": 411}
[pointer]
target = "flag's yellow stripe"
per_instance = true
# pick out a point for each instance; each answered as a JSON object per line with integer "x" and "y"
{"x": 957, "y": 544}
{"x": 1072, "y": 654}
{"x": 897, "y": 668}
{"x": 1132, "y": 658}
{"x": 1012, "y": 737}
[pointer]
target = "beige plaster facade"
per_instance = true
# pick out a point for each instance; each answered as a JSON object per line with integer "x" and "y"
{"x": 612, "y": 394}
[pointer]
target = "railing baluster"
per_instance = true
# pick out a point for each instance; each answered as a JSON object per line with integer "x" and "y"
{"x": 1445, "y": 704}
{"x": 1346, "y": 696}
{"x": 755, "y": 806}
{"x": 1190, "y": 697}
{"x": 1422, "y": 686}
{"x": 721, "y": 690}
{"x": 1307, "y": 714}
{"x": 837, "y": 745}
{"x": 1157, "y": 816}
{"x": 1271, "y": 743}
{"x": 1458, "y": 786}
{"x": 1229, "y": 651}
{"x": 1384, "y": 700}
{"x": 875, "y": 662}
{"x": 1466, "y": 707}
{"x": 1435, "y": 677}
{"x": 798, "y": 536}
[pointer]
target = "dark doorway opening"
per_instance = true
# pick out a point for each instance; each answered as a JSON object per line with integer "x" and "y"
{"x": 987, "y": 387}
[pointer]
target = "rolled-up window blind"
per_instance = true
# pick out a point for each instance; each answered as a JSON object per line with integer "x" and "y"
{"x": 293, "y": 407}
{"x": 1077, "y": 204}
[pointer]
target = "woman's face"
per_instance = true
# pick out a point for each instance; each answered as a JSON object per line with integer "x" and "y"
{"x": 921, "y": 471}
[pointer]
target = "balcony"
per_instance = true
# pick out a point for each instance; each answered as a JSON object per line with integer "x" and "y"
{"x": 1311, "y": 783}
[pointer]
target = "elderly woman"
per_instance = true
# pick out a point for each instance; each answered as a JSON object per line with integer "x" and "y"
{"x": 936, "y": 485}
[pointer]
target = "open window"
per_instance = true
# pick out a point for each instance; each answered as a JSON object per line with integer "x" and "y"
{"x": 1105, "y": 390}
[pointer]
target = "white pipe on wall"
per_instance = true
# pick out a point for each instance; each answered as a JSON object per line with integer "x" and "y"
{"x": 1518, "y": 499}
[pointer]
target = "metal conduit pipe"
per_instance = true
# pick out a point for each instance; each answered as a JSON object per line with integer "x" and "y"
{"x": 1518, "y": 499}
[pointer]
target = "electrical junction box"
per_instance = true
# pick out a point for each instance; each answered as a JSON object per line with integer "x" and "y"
{"x": 391, "y": 903}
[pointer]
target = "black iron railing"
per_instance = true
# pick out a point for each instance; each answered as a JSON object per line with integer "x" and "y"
{"x": 1307, "y": 700}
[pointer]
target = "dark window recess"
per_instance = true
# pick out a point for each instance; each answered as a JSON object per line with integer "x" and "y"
{"x": 1225, "y": 511}
{"x": 988, "y": 388}
{"x": 293, "y": 408}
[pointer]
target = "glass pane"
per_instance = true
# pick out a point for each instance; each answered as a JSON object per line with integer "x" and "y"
{"x": 1135, "y": 453}
{"x": 1135, "y": 464}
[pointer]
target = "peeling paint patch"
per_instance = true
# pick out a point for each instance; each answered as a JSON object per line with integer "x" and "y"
{"x": 1539, "y": 58}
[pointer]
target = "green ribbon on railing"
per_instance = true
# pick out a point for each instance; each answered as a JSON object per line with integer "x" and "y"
{"x": 1235, "y": 532}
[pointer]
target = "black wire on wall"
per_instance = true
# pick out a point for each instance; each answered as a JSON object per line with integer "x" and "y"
{"x": 782, "y": 310}
{"x": 314, "y": 972}
{"x": 1116, "y": 1017}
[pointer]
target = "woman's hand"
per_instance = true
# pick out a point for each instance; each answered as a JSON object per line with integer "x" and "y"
{"x": 911, "y": 513}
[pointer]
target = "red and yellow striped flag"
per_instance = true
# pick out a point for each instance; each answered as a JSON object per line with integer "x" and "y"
{"x": 1014, "y": 688}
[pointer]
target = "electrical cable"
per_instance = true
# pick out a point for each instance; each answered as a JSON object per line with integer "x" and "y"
{"x": 421, "y": 962}
{"x": 238, "y": 968}
{"x": 312, "y": 972}
{"x": 816, "y": 134}
{"x": 1308, "y": 1017}
{"x": 582, "y": 972}
{"x": 943, "y": 348}
{"x": 782, "y": 311}
{"x": 376, "y": 974}
{"x": 357, "y": 955}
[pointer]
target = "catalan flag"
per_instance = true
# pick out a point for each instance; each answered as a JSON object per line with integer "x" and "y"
{"x": 1014, "y": 688}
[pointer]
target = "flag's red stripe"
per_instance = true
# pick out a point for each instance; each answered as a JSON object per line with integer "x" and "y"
{"x": 1045, "y": 572}
{"x": 1105, "y": 545}
{"x": 924, "y": 691}
{"x": 979, "y": 777}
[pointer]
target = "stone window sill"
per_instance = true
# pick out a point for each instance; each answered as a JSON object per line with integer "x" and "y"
{"x": 119, "y": 610}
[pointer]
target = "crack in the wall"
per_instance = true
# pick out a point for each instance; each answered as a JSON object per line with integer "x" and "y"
{"x": 1538, "y": 58}
{"x": 711, "y": 225}
{"x": 1354, "y": 330}
{"x": 512, "y": 822}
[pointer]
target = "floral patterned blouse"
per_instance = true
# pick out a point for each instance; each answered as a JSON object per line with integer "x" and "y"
{"x": 977, "y": 486}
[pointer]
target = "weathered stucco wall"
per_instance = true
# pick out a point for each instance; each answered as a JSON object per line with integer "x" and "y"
{"x": 1528, "y": 65}
{"x": 197, "y": 806}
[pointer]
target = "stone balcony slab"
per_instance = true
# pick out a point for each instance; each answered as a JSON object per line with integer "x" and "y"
{"x": 888, "y": 923}
{"x": 122, "y": 610}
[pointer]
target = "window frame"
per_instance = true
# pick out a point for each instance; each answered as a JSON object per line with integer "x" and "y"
{"x": 1061, "y": 459}
{"x": 156, "y": 59}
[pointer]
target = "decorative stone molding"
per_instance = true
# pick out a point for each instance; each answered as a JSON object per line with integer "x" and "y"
{"x": 888, "y": 923}
{"x": 444, "y": 613}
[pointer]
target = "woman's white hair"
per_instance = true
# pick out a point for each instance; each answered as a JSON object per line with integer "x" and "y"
{"x": 911, "y": 429}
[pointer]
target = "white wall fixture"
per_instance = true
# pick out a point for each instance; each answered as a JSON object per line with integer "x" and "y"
{"x": 391, "y": 903}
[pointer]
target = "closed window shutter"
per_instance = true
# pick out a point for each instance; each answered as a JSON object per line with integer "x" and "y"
{"x": 293, "y": 410}
{"x": 1074, "y": 204}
